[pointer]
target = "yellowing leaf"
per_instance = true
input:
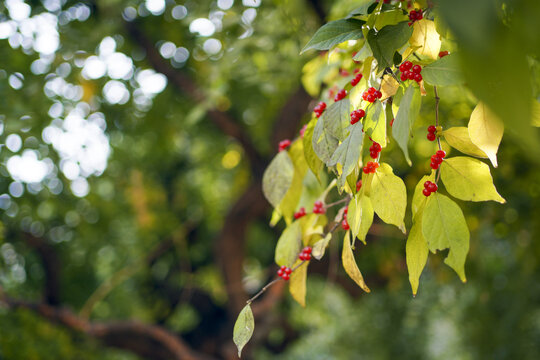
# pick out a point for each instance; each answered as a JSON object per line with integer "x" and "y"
{"x": 314, "y": 163}
{"x": 469, "y": 179}
{"x": 426, "y": 38}
{"x": 389, "y": 198}
{"x": 458, "y": 138}
{"x": 409, "y": 108}
{"x": 416, "y": 254}
{"x": 535, "y": 113}
{"x": 375, "y": 124}
{"x": 243, "y": 328}
{"x": 360, "y": 216}
{"x": 348, "y": 152}
{"x": 290, "y": 200}
{"x": 419, "y": 199}
{"x": 389, "y": 86}
{"x": 320, "y": 247}
{"x": 277, "y": 178}
{"x": 288, "y": 245}
{"x": 297, "y": 284}
{"x": 349, "y": 263}
{"x": 443, "y": 227}
{"x": 486, "y": 131}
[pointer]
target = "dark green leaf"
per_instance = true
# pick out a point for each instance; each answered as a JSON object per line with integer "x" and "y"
{"x": 336, "y": 118}
{"x": 334, "y": 33}
{"x": 386, "y": 41}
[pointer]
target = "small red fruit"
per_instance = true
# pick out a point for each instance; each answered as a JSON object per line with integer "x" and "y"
{"x": 407, "y": 65}
{"x": 434, "y": 166}
{"x": 441, "y": 153}
{"x": 300, "y": 213}
{"x": 418, "y": 77}
{"x": 416, "y": 69}
{"x": 431, "y": 129}
{"x": 345, "y": 224}
{"x": 286, "y": 277}
{"x": 432, "y": 187}
{"x": 426, "y": 192}
{"x": 443, "y": 54}
{"x": 436, "y": 159}
{"x": 340, "y": 95}
{"x": 284, "y": 144}
{"x": 358, "y": 185}
{"x": 431, "y": 136}
{"x": 403, "y": 76}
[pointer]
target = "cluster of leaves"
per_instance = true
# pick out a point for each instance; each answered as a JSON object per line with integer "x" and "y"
{"x": 374, "y": 40}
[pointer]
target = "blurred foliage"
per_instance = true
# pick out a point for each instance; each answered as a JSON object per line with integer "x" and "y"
{"x": 172, "y": 175}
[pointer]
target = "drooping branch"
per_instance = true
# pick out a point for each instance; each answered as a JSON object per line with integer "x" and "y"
{"x": 148, "y": 341}
{"x": 185, "y": 84}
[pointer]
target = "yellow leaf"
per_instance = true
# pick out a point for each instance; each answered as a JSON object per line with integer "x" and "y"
{"x": 535, "y": 113}
{"x": 458, "y": 138}
{"x": 486, "y": 131}
{"x": 360, "y": 216}
{"x": 289, "y": 202}
{"x": 419, "y": 199}
{"x": 349, "y": 263}
{"x": 320, "y": 247}
{"x": 389, "y": 198}
{"x": 416, "y": 254}
{"x": 426, "y": 38}
{"x": 469, "y": 179}
{"x": 389, "y": 86}
{"x": 297, "y": 284}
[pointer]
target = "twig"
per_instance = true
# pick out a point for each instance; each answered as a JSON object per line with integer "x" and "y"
{"x": 346, "y": 199}
{"x": 437, "y": 99}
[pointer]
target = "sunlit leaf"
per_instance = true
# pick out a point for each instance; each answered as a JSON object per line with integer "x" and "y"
{"x": 315, "y": 164}
{"x": 444, "y": 227}
{"x": 386, "y": 41}
{"x": 334, "y": 33}
{"x": 535, "y": 113}
{"x": 320, "y": 246}
{"x": 348, "y": 152}
{"x": 419, "y": 199}
{"x": 277, "y": 178}
{"x": 389, "y": 198}
{"x": 409, "y": 108}
{"x": 389, "y": 86}
{"x": 445, "y": 71}
{"x": 324, "y": 144}
{"x": 360, "y": 216}
{"x": 289, "y": 202}
{"x": 243, "y": 328}
{"x": 375, "y": 124}
{"x": 337, "y": 118}
{"x": 288, "y": 245}
{"x": 486, "y": 131}
{"x": 297, "y": 284}
{"x": 458, "y": 137}
{"x": 349, "y": 263}
{"x": 426, "y": 38}
{"x": 416, "y": 254}
{"x": 469, "y": 179}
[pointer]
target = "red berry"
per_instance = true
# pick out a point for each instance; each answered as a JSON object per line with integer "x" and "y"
{"x": 286, "y": 277}
{"x": 354, "y": 81}
{"x": 300, "y": 213}
{"x": 426, "y": 184}
{"x": 322, "y": 105}
{"x": 307, "y": 250}
{"x": 434, "y": 166}
{"x": 373, "y": 154}
{"x": 418, "y": 77}
{"x": 372, "y": 90}
{"x": 410, "y": 75}
{"x": 378, "y": 94}
{"x": 402, "y": 68}
{"x": 419, "y": 15}
{"x": 426, "y": 192}
{"x": 431, "y": 136}
{"x": 443, "y": 54}
{"x": 433, "y": 187}
{"x": 345, "y": 224}
{"x": 344, "y": 73}
{"x": 436, "y": 159}
{"x": 431, "y": 128}
{"x": 280, "y": 272}
{"x": 358, "y": 185}
{"x": 307, "y": 257}
{"x": 370, "y": 98}
{"x": 408, "y": 65}
{"x": 356, "y": 71}
{"x": 403, "y": 76}
{"x": 416, "y": 69}
{"x": 284, "y": 144}
{"x": 377, "y": 146}
{"x": 441, "y": 153}
{"x": 302, "y": 256}
{"x": 340, "y": 95}
{"x": 287, "y": 271}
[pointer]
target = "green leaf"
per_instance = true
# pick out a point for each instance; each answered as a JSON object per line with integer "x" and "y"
{"x": 348, "y": 152}
{"x": 535, "y": 113}
{"x": 443, "y": 72}
{"x": 386, "y": 41}
{"x": 349, "y": 263}
{"x": 334, "y": 33}
{"x": 390, "y": 17}
{"x": 288, "y": 245}
{"x": 364, "y": 53}
{"x": 458, "y": 138}
{"x": 315, "y": 164}
{"x": 444, "y": 227}
{"x": 243, "y": 328}
{"x": 277, "y": 178}
{"x": 416, "y": 254}
{"x": 426, "y": 39}
{"x": 337, "y": 118}
{"x": 360, "y": 216}
{"x": 362, "y": 9}
{"x": 419, "y": 199}
{"x": 320, "y": 246}
{"x": 486, "y": 131}
{"x": 469, "y": 179}
{"x": 324, "y": 144}
{"x": 375, "y": 124}
{"x": 408, "y": 111}
{"x": 289, "y": 202}
{"x": 297, "y": 283}
{"x": 389, "y": 198}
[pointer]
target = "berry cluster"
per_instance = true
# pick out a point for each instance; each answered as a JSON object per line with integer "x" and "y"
{"x": 300, "y": 213}
{"x": 318, "y": 207}
{"x": 374, "y": 150}
{"x": 356, "y": 115}
{"x": 284, "y": 272}
{"x": 284, "y": 144}
{"x": 371, "y": 94}
{"x": 344, "y": 223}
{"x": 415, "y": 15}
{"x": 371, "y": 167}
{"x": 358, "y": 185}
{"x": 437, "y": 159}
{"x": 429, "y": 187}
{"x": 305, "y": 255}
{"x": 432, "y": 133}
{"x": 443, "y": 54}
{"x": 410, "y": 72}
{"x": 340, "y": 95}
{"x": 319, "y": 109}
{"x": 356, "y": 79}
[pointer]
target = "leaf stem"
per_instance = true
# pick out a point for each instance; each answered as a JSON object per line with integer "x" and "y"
{"x": 437, "y": 100}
